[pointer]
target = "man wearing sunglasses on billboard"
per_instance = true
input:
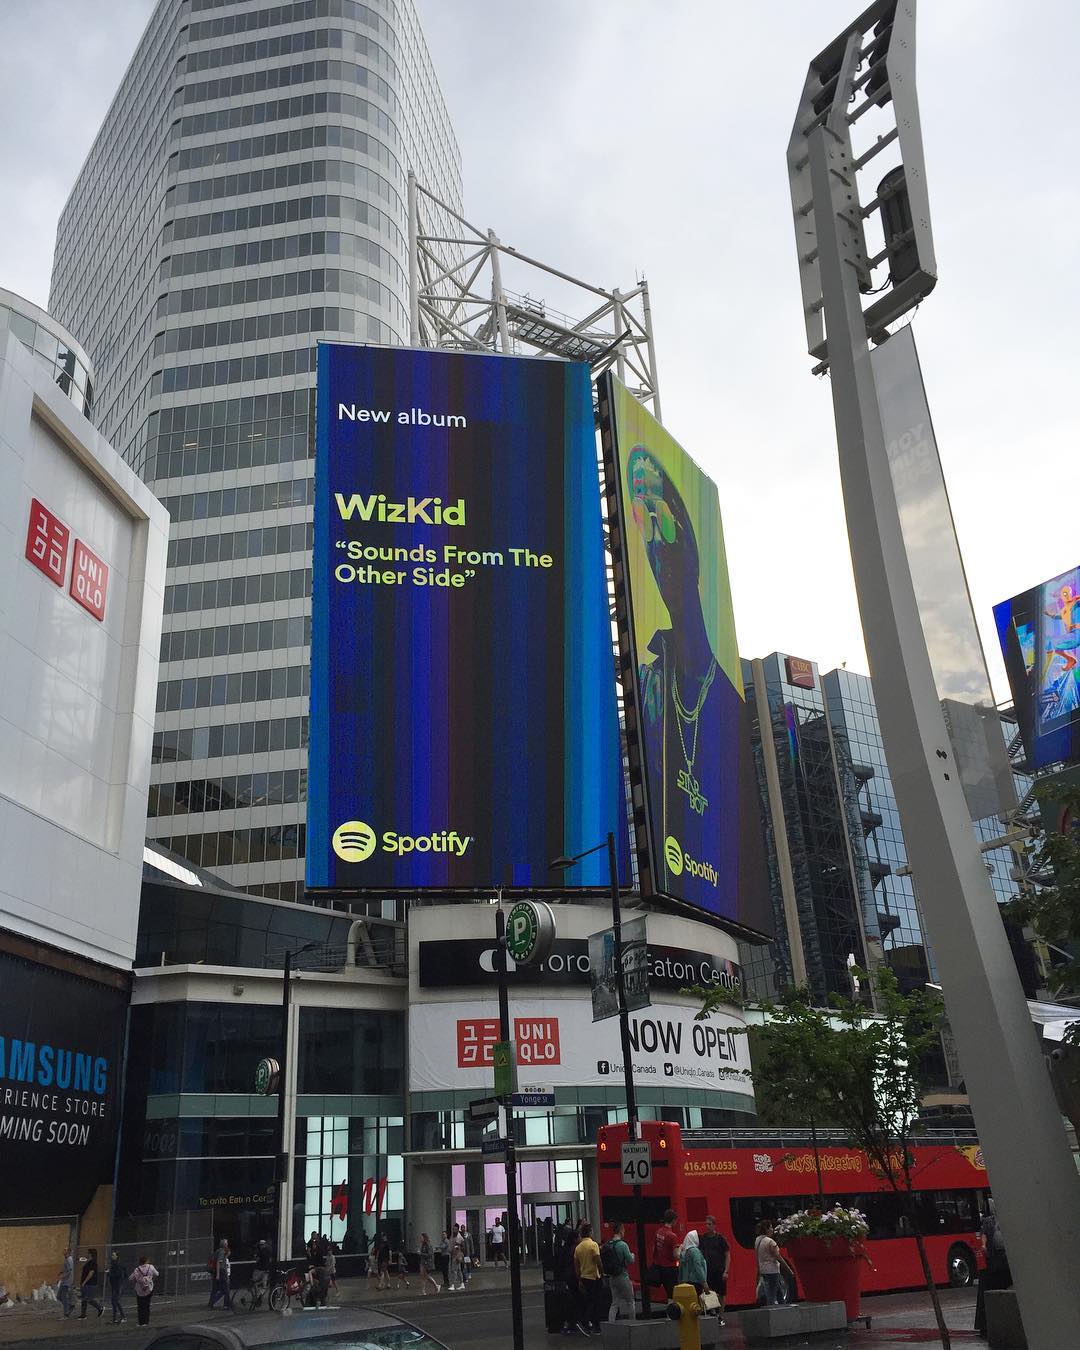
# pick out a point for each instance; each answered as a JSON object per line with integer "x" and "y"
{"x": 689, "y": 708}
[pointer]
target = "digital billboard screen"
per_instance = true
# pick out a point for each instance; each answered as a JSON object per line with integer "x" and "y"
{"x": 463, "y": 719}
{"x": 699, "y": 837}
{"x": 1039, "y": 632}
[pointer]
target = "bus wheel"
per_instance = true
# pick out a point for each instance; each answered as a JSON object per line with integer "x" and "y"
{"x": 962, "y": 1268}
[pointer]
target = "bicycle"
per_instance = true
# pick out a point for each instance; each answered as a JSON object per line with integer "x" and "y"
{"x": 281, "y": 1288}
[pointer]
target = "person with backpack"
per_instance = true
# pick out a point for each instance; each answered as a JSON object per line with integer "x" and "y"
{"x": 88, "y": 1285}
{"x": 143, "y": 1277}
{"x": 615, "y": 1261}
{"x": 117, "y": 1273}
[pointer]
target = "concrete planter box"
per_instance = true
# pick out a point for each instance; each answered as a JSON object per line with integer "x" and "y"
{"x": 762, "y": 1325}
{"x": 658, "y": 1334}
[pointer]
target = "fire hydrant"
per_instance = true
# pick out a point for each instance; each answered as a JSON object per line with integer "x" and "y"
{"x": 685, "y": 1309}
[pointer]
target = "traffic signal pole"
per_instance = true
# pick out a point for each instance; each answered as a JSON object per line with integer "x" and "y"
{"x": 513, "y": 1224}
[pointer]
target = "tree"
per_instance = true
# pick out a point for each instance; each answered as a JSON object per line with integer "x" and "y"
{"x": 1052, "y": 906}
{"x": 862, "y": 1072}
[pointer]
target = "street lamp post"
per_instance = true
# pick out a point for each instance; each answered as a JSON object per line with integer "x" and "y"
{"x": 281, "y": 1156}
{"x": 633, "y": 1131}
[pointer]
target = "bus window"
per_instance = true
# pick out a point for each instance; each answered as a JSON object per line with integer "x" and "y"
{"x": 626, "y": 1209}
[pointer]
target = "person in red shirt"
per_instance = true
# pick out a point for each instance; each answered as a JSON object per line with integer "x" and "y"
{"x": 665, "y": 1259}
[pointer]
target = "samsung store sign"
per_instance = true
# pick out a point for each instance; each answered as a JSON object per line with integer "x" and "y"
{"x": 468, "y": 962}
{"x": 61, "y": 1040}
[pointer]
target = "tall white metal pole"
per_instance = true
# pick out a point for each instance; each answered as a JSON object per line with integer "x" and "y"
{"x": 1034, "y": 1179}
{"x": 414, "y": 262}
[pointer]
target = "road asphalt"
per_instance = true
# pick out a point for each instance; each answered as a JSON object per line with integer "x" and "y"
{"x": 479, "y": 1319}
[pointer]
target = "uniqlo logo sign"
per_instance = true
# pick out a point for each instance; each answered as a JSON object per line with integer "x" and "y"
{"x": 89, "y": 580}
{"x": 537, "y": 1040}
{"x": 475, "y": 1041}
{"x": 47, "y": 542}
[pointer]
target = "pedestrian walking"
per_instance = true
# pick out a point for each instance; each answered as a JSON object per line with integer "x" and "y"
{"x": 143, "y": 1277}
{"x": 498, "y": 1244}
{"x": 427, "y": 1265}
{"x": 117, "y": 1273}
{"x": 692, "y": 1267}
{"x": 615, "y": 1260}
{"x": 769, "y": 1262}
{"x": 442, "y": 1259}
{"x": 665, "y": 1266}
{"x": 590, "y": 1281}
{"x": 399, "y": 1267}
{"x": 382, "y": 1260}
{"x": 457, "y": 1258}
{"x": 66, "y": 1281}
{"x": 717, "y": 1254}
{"x": 221, "y": 1272}
{"x": 468, "y": 1253}
{"x": 89, "y": 1285}
{"x": 331, "y": 1265}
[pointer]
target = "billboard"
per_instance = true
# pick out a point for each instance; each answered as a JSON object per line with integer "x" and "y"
{"x": 1039, "y": 632}
{"x": 61, "y": 1043}
{"x": 699, "y": 836}
{"x": 558, "y": 1043}
{"x": 463, "y": 719}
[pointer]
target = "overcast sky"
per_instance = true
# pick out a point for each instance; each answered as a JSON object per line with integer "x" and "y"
{"x": 615, "y": 138}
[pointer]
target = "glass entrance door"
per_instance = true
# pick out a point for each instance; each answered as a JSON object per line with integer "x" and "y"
{"x": 541, "y": 1220}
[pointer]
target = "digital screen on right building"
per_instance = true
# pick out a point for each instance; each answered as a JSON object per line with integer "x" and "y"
{"x": 702, "y": 842}
{"x": 1039, "y": 632}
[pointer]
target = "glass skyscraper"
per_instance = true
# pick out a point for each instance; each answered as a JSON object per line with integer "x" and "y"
{"x": 244, "y": 198}
{"x": 837, "y": 858}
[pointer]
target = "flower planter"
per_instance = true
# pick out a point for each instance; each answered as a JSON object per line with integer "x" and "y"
{"x": 828, "y": 1272}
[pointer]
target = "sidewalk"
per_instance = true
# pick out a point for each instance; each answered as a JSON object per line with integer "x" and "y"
{"x": 45, "y": 1321}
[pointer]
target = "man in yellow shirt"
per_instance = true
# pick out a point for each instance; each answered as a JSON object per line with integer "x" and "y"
{"x": 590, "y": 1280}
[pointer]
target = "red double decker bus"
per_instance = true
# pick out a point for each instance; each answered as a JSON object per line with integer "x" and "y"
{"x": 743, "y": 1176}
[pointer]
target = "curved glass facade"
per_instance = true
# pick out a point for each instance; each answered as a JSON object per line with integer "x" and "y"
{"x": 192, "y": 259}
{"x": 67, "y": 363}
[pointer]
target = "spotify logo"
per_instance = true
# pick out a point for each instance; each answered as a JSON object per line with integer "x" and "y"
{"x": 672, "y": 853}
{"x": 354, "y": 841}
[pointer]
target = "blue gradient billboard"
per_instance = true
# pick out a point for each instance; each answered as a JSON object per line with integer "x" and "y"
{"x": 463, "y": 718}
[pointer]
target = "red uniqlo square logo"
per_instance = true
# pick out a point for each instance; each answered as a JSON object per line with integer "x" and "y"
{"x": 475, "y": 1042}
{"x": 47, "y": 542}
{"x": 537, "y": 1040}
{"x": 89, "y": 580}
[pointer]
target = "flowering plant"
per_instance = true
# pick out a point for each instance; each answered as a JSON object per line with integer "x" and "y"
{"x": 826, "y": 1224}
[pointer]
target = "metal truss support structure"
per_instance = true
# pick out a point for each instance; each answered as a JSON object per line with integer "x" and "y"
{"x": 1035, "y": 1183}
{"x": 459, "y": 299}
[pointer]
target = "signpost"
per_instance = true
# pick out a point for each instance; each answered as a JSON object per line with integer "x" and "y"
{"x": 267, "y": 1073}
{"x": 636, "y": 1162}
{"x": 530, "y": 932}
{"x": 533, "y": 1096}
{"x": 502, "y": 1057}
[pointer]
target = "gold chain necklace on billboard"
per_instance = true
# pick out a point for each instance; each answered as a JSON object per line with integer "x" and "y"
{"x": 686, "y": 782}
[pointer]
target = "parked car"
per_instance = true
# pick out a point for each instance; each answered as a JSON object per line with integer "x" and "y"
{"x": 318, "y": 1328}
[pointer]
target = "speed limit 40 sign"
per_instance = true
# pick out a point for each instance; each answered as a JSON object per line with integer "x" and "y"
{"x": 637, "y": 1163}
